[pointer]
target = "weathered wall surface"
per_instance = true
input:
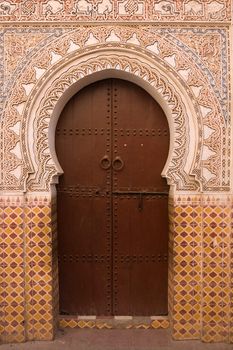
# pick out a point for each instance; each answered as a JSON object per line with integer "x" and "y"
{"x": 179, "y": 51}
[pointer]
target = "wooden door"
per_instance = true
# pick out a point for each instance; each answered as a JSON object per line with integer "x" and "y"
{"x": 112, "y": 142}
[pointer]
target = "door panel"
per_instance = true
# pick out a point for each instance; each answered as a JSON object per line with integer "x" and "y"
{"x": 82, "y": 137}
{"x": 140, "y": 138}
{"x": 140, "y": 229}
{"x": 84, "y": 208}
{"x": 85, "y": 255}
{"x": 112, "y": 143}
{"x": 140, "y": 255}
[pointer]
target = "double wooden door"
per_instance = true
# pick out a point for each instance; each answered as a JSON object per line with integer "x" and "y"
{"x": 112, "y": 142}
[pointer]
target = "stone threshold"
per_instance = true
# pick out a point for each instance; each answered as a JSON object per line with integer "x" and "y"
{"x": 114, "y": 322}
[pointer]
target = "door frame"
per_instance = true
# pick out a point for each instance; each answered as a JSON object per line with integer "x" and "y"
{"x": 107, "y": 85}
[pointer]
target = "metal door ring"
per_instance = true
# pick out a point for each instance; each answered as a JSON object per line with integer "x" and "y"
{"x": 117, "y": 163}
{"x": 105, "y": 163}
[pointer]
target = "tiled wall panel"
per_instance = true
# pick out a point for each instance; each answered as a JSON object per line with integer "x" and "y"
{"x": 187, "y": 269}
{"x": 26, "y": 278}
{"x": 38, "y": 270}
{"x": 55, "y": 287}
{"x": 231, "y": 277}
{"x": 12, "y": 273}
{"x": 216, "y": 271}
{"x": 202, "y": 271}
{"x": 200, "y": 268}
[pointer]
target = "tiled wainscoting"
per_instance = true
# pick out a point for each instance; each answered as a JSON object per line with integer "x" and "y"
{"x": 200, "y": 270}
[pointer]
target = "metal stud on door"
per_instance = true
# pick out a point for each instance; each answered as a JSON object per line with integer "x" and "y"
{"x": 112, "y": 202}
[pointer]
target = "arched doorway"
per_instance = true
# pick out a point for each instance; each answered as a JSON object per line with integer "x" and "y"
{"x": 112, "y": 142}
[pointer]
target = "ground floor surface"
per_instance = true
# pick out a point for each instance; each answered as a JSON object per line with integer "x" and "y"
{"x": 73, "y": 339}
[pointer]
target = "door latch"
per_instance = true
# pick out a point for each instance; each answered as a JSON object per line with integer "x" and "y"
{"x": 140, "y": 202}
{"x": 141, "y": 195}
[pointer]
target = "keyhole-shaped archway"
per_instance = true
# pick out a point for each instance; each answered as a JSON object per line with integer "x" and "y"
{"x": 112, "y": 142}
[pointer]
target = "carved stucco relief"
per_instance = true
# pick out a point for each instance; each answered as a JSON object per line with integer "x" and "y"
{"x": 106, "y": 63}
{"x": 144, "y": 51}
{"x": 115, "y": 10}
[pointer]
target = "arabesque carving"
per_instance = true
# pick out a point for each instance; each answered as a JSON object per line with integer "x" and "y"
{"x": 115, "y": 10}
{"x": 159, "y": 50}
{"x": 46, "y": 170}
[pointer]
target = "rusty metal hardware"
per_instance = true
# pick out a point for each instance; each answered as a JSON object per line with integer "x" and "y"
{"x": 140, "y": 202}
{"x": 142, "y": 193}
{"x": 105, "y": 162}
{"x": 117, "y": 163}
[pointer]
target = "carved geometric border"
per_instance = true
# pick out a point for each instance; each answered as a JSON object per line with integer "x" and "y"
{"x": 46, "y": 170}
{"x": 116, "y": 10}
{"x": 208, "y": 168}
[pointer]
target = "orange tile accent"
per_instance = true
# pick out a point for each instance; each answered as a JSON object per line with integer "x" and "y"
{"x": 187, "y": 271}
{"x": 39, "y": 273}
{"x": 200, "y": 272}
{"x": 216, "y": 272}
{"x": 111, "y": 323}
{"x": 12, "y": 273}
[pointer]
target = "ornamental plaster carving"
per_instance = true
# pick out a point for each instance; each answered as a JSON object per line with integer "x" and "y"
{"x": 106, "y": 63}
{"x": 115, "y": 10}
{"x": 176, "y": 62}
{"x": 18, "y": 45}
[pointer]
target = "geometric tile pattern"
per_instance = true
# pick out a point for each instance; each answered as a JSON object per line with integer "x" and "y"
{"x": 38, "y": 268}
{"x": 187, "y": 269}
{"x": 12, "y": 321}
{"x": 27, "y": 270}
{"x": 200, "y": 271}
{"x": 202, "y": 290}
{"x": 71, "y": 323}
{"x": 216, "y": 272}
{"x": 55, "y": 286}
{"x": 156, "y": 324}
{"x": 112, "y": 323}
